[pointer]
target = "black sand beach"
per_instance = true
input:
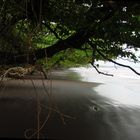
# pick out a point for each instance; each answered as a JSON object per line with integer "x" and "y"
{"x": 63, "y": 110}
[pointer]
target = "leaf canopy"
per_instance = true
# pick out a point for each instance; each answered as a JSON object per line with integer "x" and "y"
{"x": 34, "y": 26}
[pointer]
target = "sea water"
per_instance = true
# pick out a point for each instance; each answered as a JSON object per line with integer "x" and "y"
{"x": 122, "y": 88}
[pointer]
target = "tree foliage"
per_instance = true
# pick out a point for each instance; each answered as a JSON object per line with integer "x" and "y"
{"x": 34, "y": 29}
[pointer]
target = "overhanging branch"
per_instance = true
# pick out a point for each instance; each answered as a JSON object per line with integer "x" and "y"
{"x": 74, "y": 41}
{"x": 100, "y": 72}
{"x": 110, "y": 60}
{"x": 119, "y": 64}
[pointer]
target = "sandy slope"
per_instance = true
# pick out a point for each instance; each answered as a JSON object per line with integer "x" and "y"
{"x": 63, "y": 109}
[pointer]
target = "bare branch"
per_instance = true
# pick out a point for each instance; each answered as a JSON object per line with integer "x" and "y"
{"x": 100, "y": 72}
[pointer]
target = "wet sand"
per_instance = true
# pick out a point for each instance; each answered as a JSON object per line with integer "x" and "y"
{"x": 66, "y": 110}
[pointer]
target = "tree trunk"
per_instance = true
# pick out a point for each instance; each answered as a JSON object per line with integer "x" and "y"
{"x": 74, "y": 41}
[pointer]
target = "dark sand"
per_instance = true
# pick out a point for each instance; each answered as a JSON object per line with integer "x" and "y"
{"x": 76, "y": 112}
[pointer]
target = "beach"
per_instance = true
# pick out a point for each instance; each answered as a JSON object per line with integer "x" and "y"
{"x": 64, "y": 110}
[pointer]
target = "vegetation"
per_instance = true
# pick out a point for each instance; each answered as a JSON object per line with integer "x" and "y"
{"x": 69, "y": 31}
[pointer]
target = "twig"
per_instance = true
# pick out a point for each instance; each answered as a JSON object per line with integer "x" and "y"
{"x": 107, "y": 74}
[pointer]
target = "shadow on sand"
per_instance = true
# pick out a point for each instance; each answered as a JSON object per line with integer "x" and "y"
{"x": 58, "y": 109}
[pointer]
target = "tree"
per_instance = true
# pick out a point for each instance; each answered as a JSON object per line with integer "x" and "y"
{"x": 98, "y": 26}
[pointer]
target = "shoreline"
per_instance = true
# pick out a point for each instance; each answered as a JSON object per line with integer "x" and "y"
{"x": 18, "y": 106}
{"x": 64, "y": 110}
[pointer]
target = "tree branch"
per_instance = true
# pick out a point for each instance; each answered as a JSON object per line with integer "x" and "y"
{"x": 74, "y": 41}
{"x": 56, "y": 35}
{"x": 119, "y": 64}
{"x": 107, "y": 74}
{"x": 110, "y": 60}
